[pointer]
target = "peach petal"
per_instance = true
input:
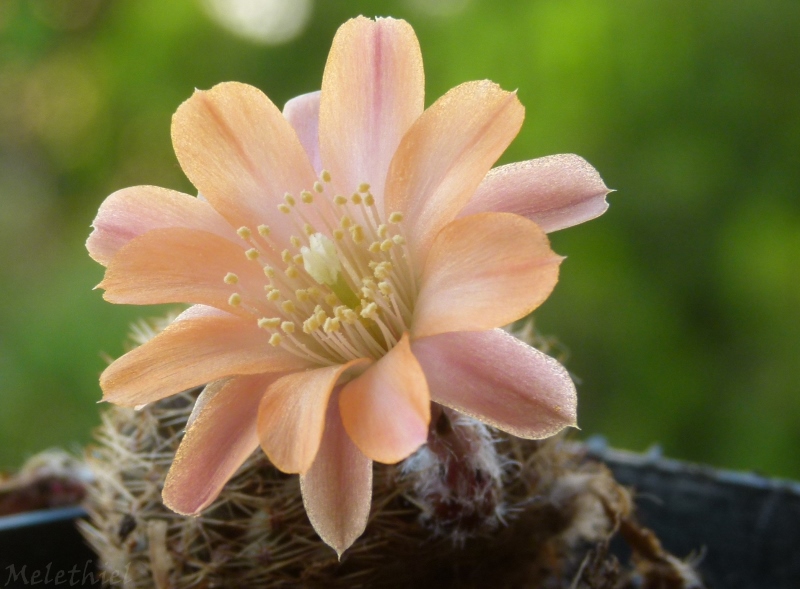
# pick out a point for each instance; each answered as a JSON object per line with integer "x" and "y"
{"x": 178, "y": 265}
{"x": 222, "y": 437}
{"x": 386, "y": 410}
{"x": 337, "y": 489}
{"x": 241, "y": 153}
{"x": 484, "y": 271}
{"x": 372, "y": 91}
{"x": 555, "y": 192}
{"x": 201, "y": 346}
{"x": 291, "y": 416}
{"x": 302, "y": 112}
{"x": 445, "y": 155}
{"x": 131, "y": 212}
{"x": 494, "y": 377}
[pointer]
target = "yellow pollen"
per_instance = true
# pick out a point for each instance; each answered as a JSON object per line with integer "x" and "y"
{"x": 313, "y": 292}
{"x": 287, "y": 327}
{"x": 318, "y": 187}
{"x": 350, "y": 316}
{"x": 338, "y": 234}
{"x": 345, "y": 222}
{"x": 369, "y": 200}
{"x": 367, "y": 292}
{"x": 264, "y": 230}
{"x": 320, "y": 315}
{"x": 326, "y": 176}
{"x": 307, "y": 197}
{"x": 284, "y": 208}
{"x": 383, "y": 270}
{"x": 269, "y": 323}
{"x": 292, "y": 272}
{"x": 399, "y": 239}
{"x": 340, "y": 200}
{"x": 269, "y": 272}
{"x": 286, "y": 256}
{"x": 385, "y": 288}
{"x": 298, "y": 259}
{"x": 383, "y": 230}
{"x": 276, "y": 339}
{"x": 395, "y": 218}
{"x": 235, "y": 300}
{"x": 288, "y": 306}
{"x": 273, "y": 295}
{"x": 386, "y": 245}
{"x": 369, "y": 311}
{"x": 363, "y": 187}
{"x": 289, "y": 199}
{"x": 231, "y": 278}
{"x": 295, "y": 241}
{"x": 356, "y": 198}
{"x": 301, "y": 295}
{"x": 375, "y": 247}
{"x": 357, "y": 233}
{"x": 308, "y": 229}
{"x": 244, "y": 232}
{"x": 331, "y": 299}
{"x": 331, "y": 325}
{"x": 252, "y": 254}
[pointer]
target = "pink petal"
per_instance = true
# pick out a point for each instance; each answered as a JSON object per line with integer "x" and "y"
{"x": 291, "y": 417}
{"x": 494, "y": 377}
{"x": 184, "y": 265}
{"x": 222, "y": 437}
{"x": 337, "y": 489}
{"x": 386, "y": 410}
{"x": 242, "y": 154}
{"x": 445, "y": 155}
{"x": 130, "y": 212}
{"x": 201, "y": 346}
{"x": 372, "y": 91}
{"x": 556, "y": 192}
{"x": 484, "y": 271}
{"x": 302, "y": 112}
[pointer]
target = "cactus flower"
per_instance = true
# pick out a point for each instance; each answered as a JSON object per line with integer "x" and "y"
{"x": 350, "y": 261}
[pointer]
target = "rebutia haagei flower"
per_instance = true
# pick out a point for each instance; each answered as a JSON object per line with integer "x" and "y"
{"x": 350, "y": 261}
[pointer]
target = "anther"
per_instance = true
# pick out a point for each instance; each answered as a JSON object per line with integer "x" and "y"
{"x": 313, "y": 292}
{"x": 284, "y": 208}
{"x": 345, "y": 222}
{"x": 298, "y": 259}
{"x": 369, "y": 311}
{"x": 295, "y": 241}
{"x": 399, "y": 239}
{"x": 269, "y": 272}
{"x": 288, "y": 306}
{"x": 385, "y": 288}
{"x": 326, "y": 176}
{"x": 383, "y": 230}
{"x": 375, "y": 247}
{"x": 308, "y": 229}
{"x": 338, "y": 234}
{"x": 244, "y": 232}
{"x": 356, "y": 198}
{"x": 289, "y": 199}
{"x": 273, "y": 295}
{"x": 364, "y": 187}
{"x": 231, "y": 278}
{"x": 331, "y": 325}
{"x": 395, "y": 218}
{"x": 302, "y": 295}
{"x": 286, "y": 256}
{"x": 357, "y": 233}
{"x": 235, "y": 300}
{"x": 264, "y": 230}
{"x": 269, "y": 322}
{"x": 287, "y": 327}
{"x": 292, "y": 272}
{"x": 307, "y": 197}
{"x": 331, "y": 299}
{"x": 369, "y": 200}
{"x": 386, "y": 245}
{"x": 276, "y": 339}
{"x": 318, "y": 187}
{"x": 340, "y": 200}
{"x": 252, "y": 254}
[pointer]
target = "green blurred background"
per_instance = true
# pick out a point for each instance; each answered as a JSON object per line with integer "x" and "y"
{"x": 679, "y": 306}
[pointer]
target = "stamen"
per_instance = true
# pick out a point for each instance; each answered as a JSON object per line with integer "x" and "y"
{"x": 356, "y": 198}
{"x": 307, "y": 197}
{"x": 287, "y": 327}
{"x": 289, "y": 199}
{"x": 288, "y": 306}
{"x": 273, "y": 295}
{"x": 295, "y": 241}
{"x": 318, "y": 187}
{"x": 326, "y": 176}
{"x": 395, "y": 218}
{"x": 231, "y": 278}
{"x": 269, "y": 272}
{"x": 244, "y": 232}
{"x": 276, "y": 339}
{"x": 235, "y": 300}
{"x": 364, "y": 187}
{"x": 269, "y": 322}
{"x": 252, "y": 254}
{"x": 284, "y": 208}
{"x": 264, "y": 230}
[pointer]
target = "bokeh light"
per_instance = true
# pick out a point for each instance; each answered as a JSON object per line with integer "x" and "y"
{"x": 264, "y": 21}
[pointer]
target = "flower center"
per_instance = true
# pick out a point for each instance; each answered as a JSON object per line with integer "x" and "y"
{"x": 346, "y": 289}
